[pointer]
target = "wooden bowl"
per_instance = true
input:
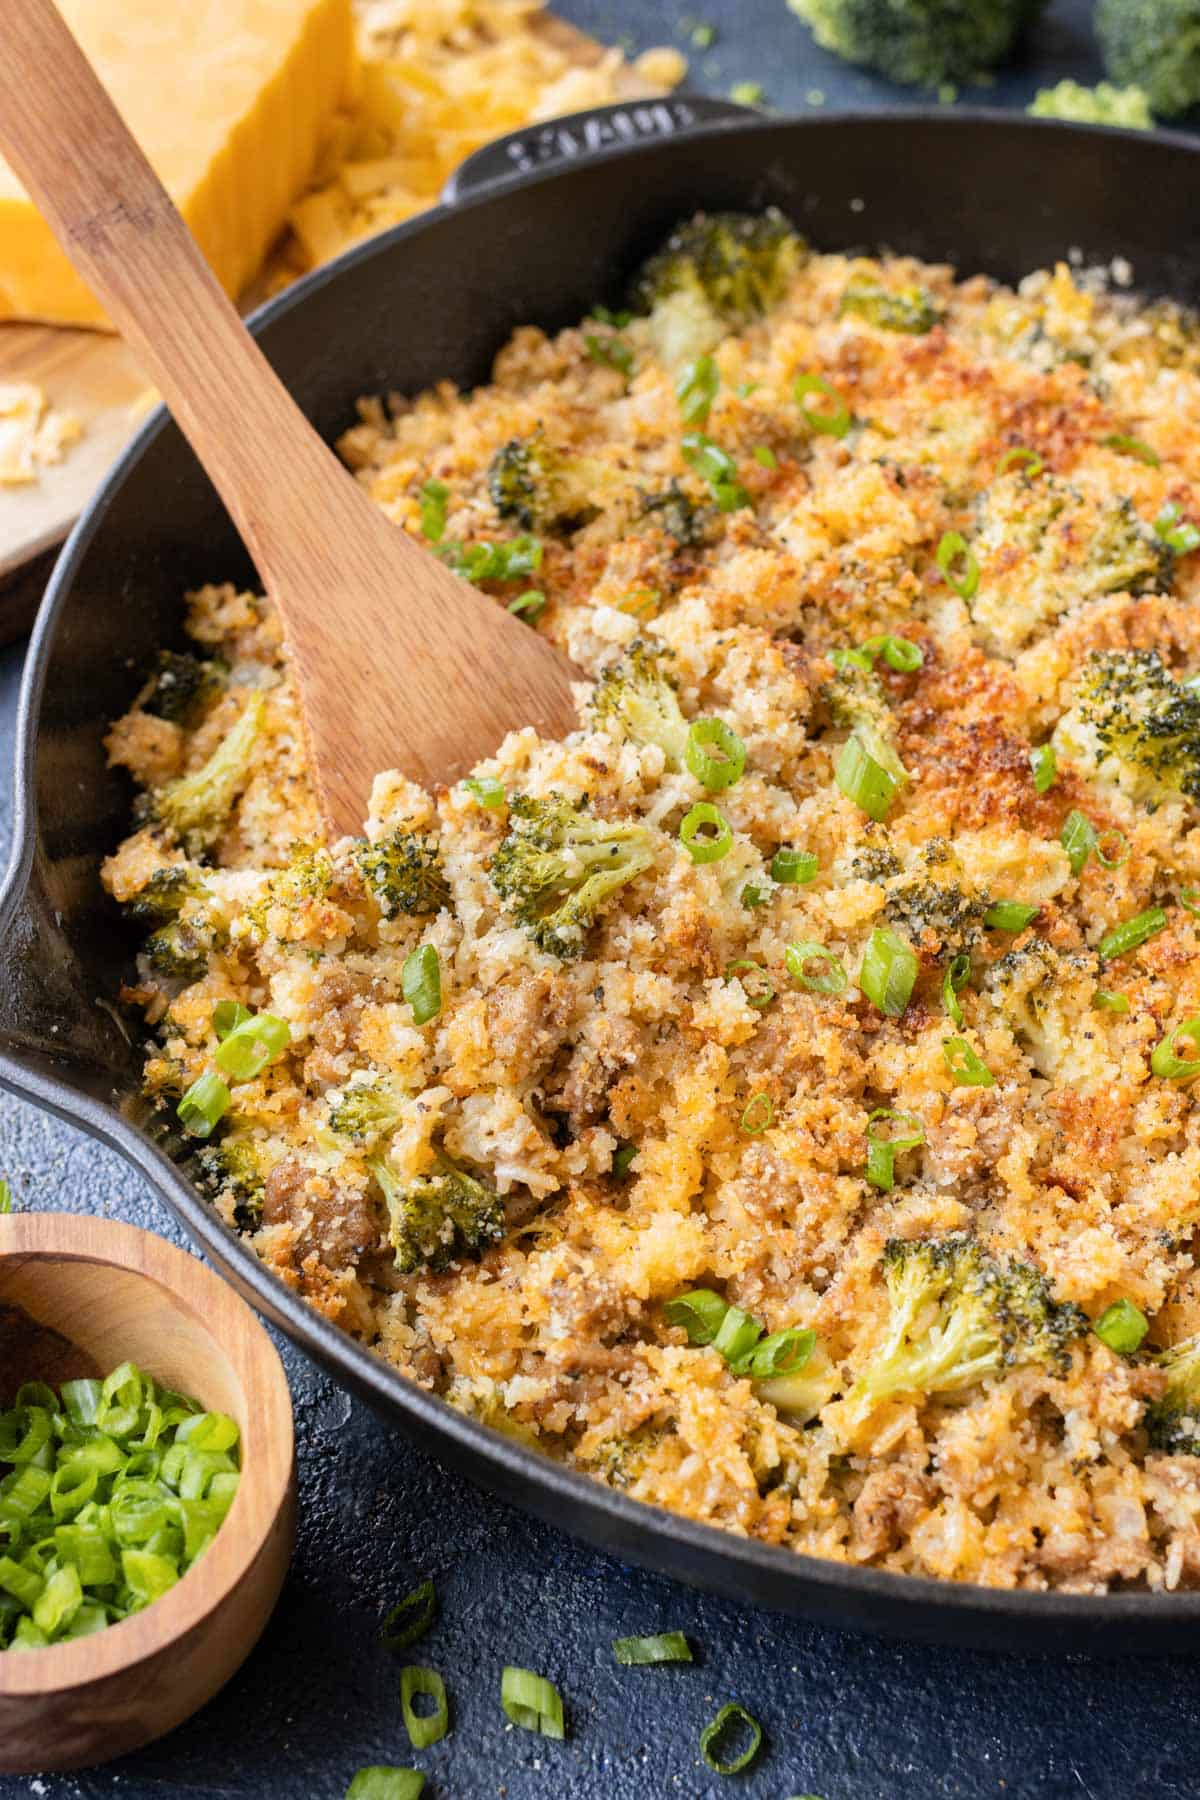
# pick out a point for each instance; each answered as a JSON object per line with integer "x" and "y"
{"x": 77, "y": 1297}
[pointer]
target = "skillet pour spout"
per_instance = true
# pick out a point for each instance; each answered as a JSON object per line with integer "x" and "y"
{"x": 536, "y": 229}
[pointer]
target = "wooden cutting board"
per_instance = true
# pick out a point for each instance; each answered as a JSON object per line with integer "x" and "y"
{"x": 92, "y": 376}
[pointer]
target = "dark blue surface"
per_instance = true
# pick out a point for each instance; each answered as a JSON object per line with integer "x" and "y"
{"x": 845, "y": 1719}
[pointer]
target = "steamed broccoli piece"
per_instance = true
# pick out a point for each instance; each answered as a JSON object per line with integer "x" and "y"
{"x": 858, "y": 704}
{"x": 677, "y": 516}
{"x": 184, "y": 683}
{"x": 1133, "y": 725}
{"x": 909, "y": 309}
{"x": 543, "y": 488}
{"x": 194, "y": 809}
{"x": 959, "y": 1315}
{"x": 558, "y": 866}
{"x": 638, "y": 697}
{"x": 1173, "y": 1422}
{"x": 235, "y": 1166}
{"x": 1103, "y": 104}
{"x": 716, "y": 273}
{"x": 440, "y": 1217}
{"x": 922, "y": 43}
{"x": 1153, "y": 45}
{"x": 921, "y": 909}
{"x": 180, "y": 950}
{"x": 404, "y": 872}
{"x": 366, "y": 1111}
{"x": 165, "y": 894}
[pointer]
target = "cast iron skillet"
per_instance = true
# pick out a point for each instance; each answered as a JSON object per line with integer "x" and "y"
{"x": 534, "y": 230}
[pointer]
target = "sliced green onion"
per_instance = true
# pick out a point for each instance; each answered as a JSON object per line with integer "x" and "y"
{"x": 958, "y": 973}
{"x": 1044, "y": 764}
{"x": 1177, "y": 533}
{"x": 699, "y": 1311}
{"x": 899, "y": 653}
{"x": 509, "y": 561}
{"x": 528, "y": 605}
{"x": 1165, "y": 1060}
{"x": 834, "y": 419}
{"x": 641, "y": 1652}
{"x": 434, "y": 495}
{"x": 763, "y": 991}
{"x": 252, "y": 1045}
{"x": 532, "y": 1702}
{"x": 842, "y": 658}
{"x": 1078, "y": 839}
{"x": 967, "y": 1069}
{"x": 782, "y": 1353}
{"x": 705, "y": 833}
{"x": 1027, "y": 460}
{"x": 794, "y": 867}
{"x": 1189, "y": 899}
{"x": 411, "y": 1618}
{"x": 754, "y": 896}
{"x": 1133, "y": 933}
{"x": 882, "y": 1151}
{"x": 1010, "y": 915}
{"x": 227, "y": 1015}
{"x": 864, "y": 779}
{"x": 715, "y": 754}
{"x": 1122, "y": 1326}
{"x": 383, "y": 1782}
{"x": 757, "y": 1115}
{"x": 6, "y": 1196}
{"x": 717, "y": 468}
{"x": 733, "y": 1721}
{"x": 606, "y": 316}
{"x": 1133, "y": 446}
{"x": 487, "y": 790}
{"x": 830, "y": 976}
{"x": 610, "y": 352}
{"x": 764, "y": 456}
{"x": 953, "y": 545}
{"x": 889, "y": 971}
{"x": 421, "y": 983}
{"x": 737, "y": 1335}
{"x": 1105, "y": 1001}
{"x": 623, "y": 1157}
{"x": 204, "y": 1105}
{"x": 1113, "y": 848}
{"x": 696, "y": 388}
{"x": 423, "y": 1728}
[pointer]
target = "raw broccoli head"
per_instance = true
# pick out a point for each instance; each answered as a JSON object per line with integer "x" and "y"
{"x": 235, "y": 1167}
{"x": 1133, "y": 725}
{"x": 439, "y": 1217}
{"x": 922, "y": 43}
{"x": 365, "y": 1112}
{"x": 1154, "y": 45}
{"x": 716, "y": 273}
{"x": 404, "y": 872}
{"x": 183, "y": 684}
{"x": 195, "y": 809}
{"x": 1173, "y": 1421}
{"x": 909, "y": 309}
{"x": 558, "y": 866}
{"x": 637, "y": 696}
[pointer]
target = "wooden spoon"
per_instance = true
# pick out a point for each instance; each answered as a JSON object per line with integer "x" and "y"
{"x": 399, "y": 663}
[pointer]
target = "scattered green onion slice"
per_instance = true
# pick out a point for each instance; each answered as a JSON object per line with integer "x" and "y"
{"x": 782, "y": 1353}
{"x": 528, "y": 605}
{"x": 434, "y": 495}
{"x": 715, "y": 754}
{"x": 1165, "y": 1060}
{"x": 1078, "y": 839}
{"x": 705, "y": 833}
{"x": 842, "y": 658}
{"x": 889, "y": 971}
{"x": 864, "y": 779}
{"x": 764, "y": 456}
{"x": 1044, "y": 764}
{"x": 623, "y": 1157}
{"x": 227, "y": 1015}
{"x": 610, "y": 352}
{"x": 899, "y": 653}
{"x": 834, "y": 419}
{"x": 794, "y": 867}
{"x": 953, "y": 545}
{"x": 1189, "y": 899}
{"x": 1112, "y": 848}
{"x": 753, "y": 895}
{"x": 700, "y": 1312}
{"x": 1133, "y": 933}
{"x": 1010, "y": 915}
{"x": 967, "y": 1069}
{"x": 1176, "y": 532}
{"x": 487, "y": 790}
{"x": 532, "y": 1702}
{"x": 6, "y": 1196}
{"x": 737, "y": 1335}
{"x": 204, "y": 1105}
{"x": 510, "y": 561}
{"x": 830, "y": 976}
{"x": 732, "y": 1720}
{"x": 759, "y": 994}
{"x": 641, "y": 1652}
{"x": 1105, "y": 1001}
{"x": 411, "y": 1618}
{"x": 696, "y": 388}
{"x": 381, "y": 1782}
{"x": 717, "y": 467}
{"x": 423, "y": 1728}
{"x": 254, "y": 1043}
{"x": 1027, "y": 460}
{"x": 1133, "y": 446}
{"x": 758, "y": 1114}
{"x": 1122, "y": 1326}
{"x": 421, "y": 983}
{"x": 882, "y": 1151}
{"x": 958, "y": 973}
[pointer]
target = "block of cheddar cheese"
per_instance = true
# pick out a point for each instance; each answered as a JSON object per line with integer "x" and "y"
{"x": 230, "y": 99}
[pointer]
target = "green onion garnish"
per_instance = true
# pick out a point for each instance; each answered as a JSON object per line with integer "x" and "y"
{"x": 881, "y": 1151}
{"x": 699, "y": 1311}
{"x": 1133, "y": 933}
{"x": 794, "y": 867}
{"x": 532, "y": 1702}
{"x": 487, "y": 790}
{"x": 605, "y": 315}
{"x": 1044, "y": 764}
{"x": 6, "y": 1196}
{"x": 714, "y": 754}
{"x": 737, "y": 1335}
{"x": 1010, "y": 915}
{"x": 889, "y": 971}
{"x": 829, "y": 977}
{"x": 423, "y": 1728}
{"x": 782, "y": 1353}
{"x": 761, "y": 991}
{"x": 864, "y": 779}
{"x": 705, "y": 833}
{"x": 1189, "y": 899}
{"x": 227, "y": 1015}
{"x": 952, "y": 546}
{"x": 204, "y": 1105}
{"x": 252, "y": 1044}
{"x": 757, "y": 1115}
{"x": 421, "y": 983}
{"x": 610, "y": 352}
{"x": 528, "y": 605}
{"x": 510, "y": 561}
{"x": 434, "y": 495}
{"x": 1113, "y": 848}
{"x": 1133, "y": 446}
{"x": 754, "y": 896}
{"x": 1105, "y": 1001}
{"x": 1027, "y": 460}
{"x": 1182, "y": 537}
{"x": 623, "y": 1157}
{"x": 834, "y": 419}
{"x": 1122, "y": 1326}
{"x": 1078, "y": 839}
{"x": 731, "y": 1722}
{"x": 381, "y": 1782}
{"x": 1164, "y": 1060}
{"x": 411, "y": 1618}
{"x": 718, "y": 468}
{"x": 967, "y": 1069}
{"x": 764, "y": 456}
{"x": 958, "y": 973}
{"x": 852, "y": 659}
{"x": 899, "y": 653}
{"x": 696, "y": 388}
{"x": 641, "y": 1652}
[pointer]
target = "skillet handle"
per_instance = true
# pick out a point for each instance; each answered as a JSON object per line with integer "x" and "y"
{"x": 582, "y": 135}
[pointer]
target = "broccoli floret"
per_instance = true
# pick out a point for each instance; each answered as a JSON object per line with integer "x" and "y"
{"x": 1131, "y": 724}
{"x": 235, "y": 1166}
{"x": 1103, "y": 104}
{"x": 558, "y": 866}
{"x": 195, "y": 808}
{"x": 716, "y": 273}
{"x": 165, "y": 894}
{"x": 858, "y": 704}
{"x": 404, "y": 872}
{"x": 677, "y": 516}
{"x": 366, "y": 1111}
{"x": 922, "y": 43}
{"x": 908, "y": 309}
{"x": 1040, "y": 993}
{"x": 1154, "y": 45}
{"x": 958, "y": 1315}
{"x": 543, "y": 488}
{"x": 439, "y": 1217}
{"x": 637, "y": 696}
{"x": 183, "y": 684}
{"x": 181, "y": 950}
{"x": 924, "y": 911}
{"x": 1173, "y": 1421}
